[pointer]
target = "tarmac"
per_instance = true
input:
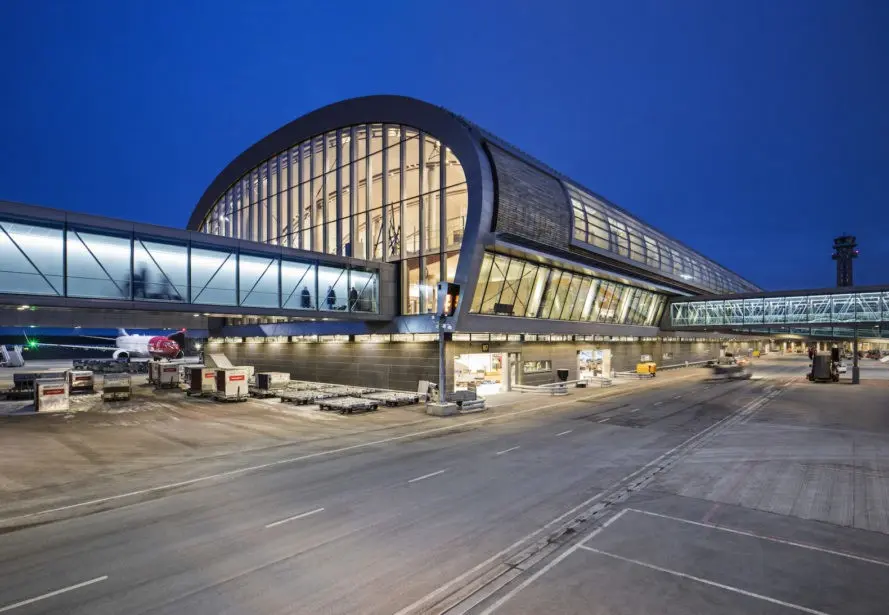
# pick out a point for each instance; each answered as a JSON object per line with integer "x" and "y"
{"x": 678, "y": 494}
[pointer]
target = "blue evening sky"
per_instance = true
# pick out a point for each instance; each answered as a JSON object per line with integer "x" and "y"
{"x": 753, "y": 130}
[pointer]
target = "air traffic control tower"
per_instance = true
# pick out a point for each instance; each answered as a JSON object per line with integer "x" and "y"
{"x": 844, "y": 250}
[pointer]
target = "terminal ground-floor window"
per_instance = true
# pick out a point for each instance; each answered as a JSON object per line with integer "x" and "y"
{"x": 593, "y": 363}
{"x": 486, "y": 373}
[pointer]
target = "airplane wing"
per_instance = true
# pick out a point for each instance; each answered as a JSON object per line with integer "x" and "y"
{"x": 76, "y": 346}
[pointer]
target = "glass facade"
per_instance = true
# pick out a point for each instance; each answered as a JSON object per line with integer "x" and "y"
{"x": 509, "y": 286}
{"x": 826, "y": 309}
{"x": 379, "y": 192}
{"x": 600, "y": 225}
{"x": 90, "y": 263}
{"x": 31, "y": 259}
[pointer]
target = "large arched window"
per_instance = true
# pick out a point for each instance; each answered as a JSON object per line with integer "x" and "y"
{"x": 383, "y": 192}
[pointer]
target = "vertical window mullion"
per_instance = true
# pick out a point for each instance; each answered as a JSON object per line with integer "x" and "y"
{"x": 384, "y": 189}
{"x": 313, "y": 221}
{"x": 368, "y": 180}
{"x": 353, "y": 191}
{"x": 402, "y": 150}
{"x": 442, "y": 210}
{"x": 421, "y": 214}
{"x": 339, "y": 248}
{"x": 324, "y": 189}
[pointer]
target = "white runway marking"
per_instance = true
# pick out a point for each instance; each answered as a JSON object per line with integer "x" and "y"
{"x": 9, "y": 607}
{"x": 294, "y": 517}
{"x": 506, "y": 451}
{"x": 658, "y": 403}
{"x": 605, "y": 419}
{"x": 549, "y": 566}
{"x": 635, "y": 410}
{"x": 683, "y": 575}
{"x": 791, "y": 543}
{"x": 425, "y": 476}
{"x": 279, "y": 462}
{"x": 563, "y": 433}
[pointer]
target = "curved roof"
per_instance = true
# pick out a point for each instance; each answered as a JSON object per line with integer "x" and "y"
{"x": 466, "y": 139}
{"x": 449, "y": 128}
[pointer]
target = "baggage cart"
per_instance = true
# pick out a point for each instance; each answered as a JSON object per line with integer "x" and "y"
{"x": 24, "y": 384}
{"x": 393, "y": 398}
{"x": 117, "y": 387}
{"x": 81, "y": 381}
{"x": 270, "y": 384}
{"x": 51, "y": 395}
{"x": 231, "y": 384}
{"x": 201, "y": 381}
{"x": 302, "y": 397}
{"x": 348, "y": 405}
{"x": 167, "y": 376}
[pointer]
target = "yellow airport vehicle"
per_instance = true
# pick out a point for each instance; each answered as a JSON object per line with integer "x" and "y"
{"x": 646, "y": 368}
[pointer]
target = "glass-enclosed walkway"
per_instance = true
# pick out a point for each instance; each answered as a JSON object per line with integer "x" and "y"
{"x": 842, "y": 307}
{"x": 48, "y": 259}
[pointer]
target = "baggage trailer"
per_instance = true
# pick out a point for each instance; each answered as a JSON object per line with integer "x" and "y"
{"x": 154, "y": 369}
{"x": 167, "y": 376}
{"x": 81, "y": 381}
{"x": 393, "y": 398}
{"x": 117, "y": 387}
{"x": 349, "y": 391}
{"x": 24, "y": 383}
{"x": 51, "y": 395}
{"x": 111, "y": 366}
{"x": 201, "y": 381}
{"x": 302, "y": 397}
{"x": 231, "y": 384}
{"x": 348, "y": 405}
{"x": 270, "y": 384}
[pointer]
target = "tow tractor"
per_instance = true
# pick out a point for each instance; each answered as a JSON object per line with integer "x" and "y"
{"x": 825, "y": 367}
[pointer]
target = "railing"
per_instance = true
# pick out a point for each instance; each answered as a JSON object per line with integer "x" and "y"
{"x": 561, "y": 388}
{"x": 633, "y": 374}
{"x": 686, "y": 364}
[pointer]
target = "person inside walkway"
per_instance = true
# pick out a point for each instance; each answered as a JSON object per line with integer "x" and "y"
{"x": 305, "y": 298}
{"x": 331, "y": 298}
{"x": 353, "y": 299}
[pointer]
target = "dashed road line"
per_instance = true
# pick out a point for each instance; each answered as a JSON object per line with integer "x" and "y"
{"x": 564, "y": 433}
{"x": 506, "y": 451}
{"x": 64, "y": 590}
{"x": 425, "y": 476}
{"x": 294, "y": 518}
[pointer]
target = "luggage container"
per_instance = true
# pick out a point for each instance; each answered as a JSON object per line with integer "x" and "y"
{"x": 117, "y": 386}
{"x": 24, "y": 383}
{"x": 272, "y": 380}
{"x": 167, "y": 376}
{"x": 202, "y": 380}
{"x": 51, "y": 395}
{"x": 250, "y": 370}
{"x": 231, "y": 384}
{"x": 154, "y": 370}
{"x": 81, "y": 381}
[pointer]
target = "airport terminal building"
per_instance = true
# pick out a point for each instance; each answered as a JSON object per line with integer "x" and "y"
{"x": 406, "y": 194}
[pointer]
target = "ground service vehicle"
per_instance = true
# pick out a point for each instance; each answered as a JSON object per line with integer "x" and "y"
{"x": 824, "y": 369}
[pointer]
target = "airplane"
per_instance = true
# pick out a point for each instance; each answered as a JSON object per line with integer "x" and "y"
{"x": 128, "y": 346}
